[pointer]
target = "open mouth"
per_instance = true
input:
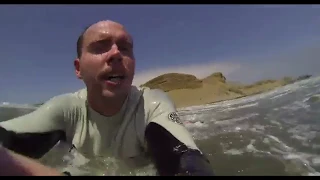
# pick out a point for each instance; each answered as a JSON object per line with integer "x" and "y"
{"x": 114, "y": 78}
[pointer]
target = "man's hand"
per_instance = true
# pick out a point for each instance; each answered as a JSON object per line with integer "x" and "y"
{"x": 12, "y": 164}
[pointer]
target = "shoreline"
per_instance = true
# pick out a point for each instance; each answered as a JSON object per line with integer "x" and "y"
{"x": 218, "y": 101}
{"x": 186, "y": 90}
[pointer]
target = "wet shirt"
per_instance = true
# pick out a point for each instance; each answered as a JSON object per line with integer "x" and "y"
{"x": 121, "y": 135}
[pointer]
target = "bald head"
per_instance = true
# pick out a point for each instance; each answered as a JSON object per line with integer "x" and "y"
{"x": 101, "y": 28}
{"x": 105, "y": 25}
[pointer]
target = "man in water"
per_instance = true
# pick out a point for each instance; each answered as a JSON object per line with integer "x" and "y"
{"x": 110, "y": 116}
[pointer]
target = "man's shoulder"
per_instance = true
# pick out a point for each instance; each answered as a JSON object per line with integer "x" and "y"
{"x": 153, "y": 94}
{"x": 68, "y": 99}
{"x": 155, "y": 97}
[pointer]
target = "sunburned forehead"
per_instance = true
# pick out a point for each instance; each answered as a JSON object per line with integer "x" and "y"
{"x": 106, "y": 30}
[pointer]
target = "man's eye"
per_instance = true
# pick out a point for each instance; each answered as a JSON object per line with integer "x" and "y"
{"x": 100, "y": 49}
{"x": 123, "y": 48}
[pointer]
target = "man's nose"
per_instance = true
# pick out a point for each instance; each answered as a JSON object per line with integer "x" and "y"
{"x": 114, "y": 54}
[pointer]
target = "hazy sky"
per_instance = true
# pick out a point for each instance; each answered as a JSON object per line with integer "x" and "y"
{"x": 246, "y": 43}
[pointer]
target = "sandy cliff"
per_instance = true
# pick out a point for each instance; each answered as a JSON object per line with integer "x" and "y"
{"x": 187, "y": 90}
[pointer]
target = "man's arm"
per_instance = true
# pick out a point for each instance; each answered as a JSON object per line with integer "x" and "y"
{"x": 170, "y": 144}
{"x": 12, "y": 164}
{"x": 36, "y": 133}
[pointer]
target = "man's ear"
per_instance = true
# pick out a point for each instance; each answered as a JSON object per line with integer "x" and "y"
{"x": 76, "y": 64}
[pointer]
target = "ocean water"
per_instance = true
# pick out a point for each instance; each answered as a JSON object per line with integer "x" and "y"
{"x": 274, "y": 133}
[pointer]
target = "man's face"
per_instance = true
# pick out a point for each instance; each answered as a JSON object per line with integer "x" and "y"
{"x": 107, "y": 62}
